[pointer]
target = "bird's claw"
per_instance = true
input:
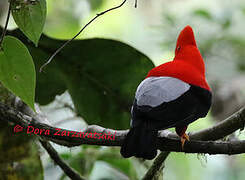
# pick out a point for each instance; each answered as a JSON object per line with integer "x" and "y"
{"x": 183, "y": 138}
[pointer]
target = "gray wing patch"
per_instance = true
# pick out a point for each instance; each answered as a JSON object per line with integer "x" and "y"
{"x": 154, "y": 91}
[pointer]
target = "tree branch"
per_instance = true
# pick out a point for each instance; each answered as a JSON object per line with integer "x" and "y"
{"x": 157, "y": 165}
{"x": 223, "y": 128}
{"x": 166, "y": 141}
{"x": 218, "y": 131}
{"x": 212, "y": 133}
{"x": 206, "y": 147}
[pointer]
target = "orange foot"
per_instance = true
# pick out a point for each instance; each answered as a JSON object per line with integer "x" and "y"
{"x": 183, "y": 138}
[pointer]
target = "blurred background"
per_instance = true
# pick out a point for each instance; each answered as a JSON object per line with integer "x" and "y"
{"x": 152, "y": 28}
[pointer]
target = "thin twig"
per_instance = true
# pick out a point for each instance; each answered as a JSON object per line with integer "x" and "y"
{"x": 6, "y": 24}
{"x": 157, "y": 165}
{"x": 58, "y": 50}
{"x": 71, "y": 173}
{"x": 135, "y": 4}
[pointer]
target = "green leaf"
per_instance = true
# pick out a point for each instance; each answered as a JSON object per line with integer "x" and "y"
{"x": 17, "y": 71}
{"x": 102, "y": 76}
{"x": 30, "y": 17}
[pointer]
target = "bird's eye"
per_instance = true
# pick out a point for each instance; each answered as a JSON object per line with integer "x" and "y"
{"x": 178, "y": 48}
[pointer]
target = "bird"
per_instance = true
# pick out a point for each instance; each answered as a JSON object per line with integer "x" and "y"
{"x": 172, "y": 95}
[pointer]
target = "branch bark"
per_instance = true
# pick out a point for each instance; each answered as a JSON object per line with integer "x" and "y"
{"x": 156, "y": 166}
{"x": 167, "y": 141}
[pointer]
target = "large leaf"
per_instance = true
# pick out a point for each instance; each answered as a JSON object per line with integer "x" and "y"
{"x": 17, "y": 71}
{"x": 100, "y": 74}
{"x": 30, "y": 17}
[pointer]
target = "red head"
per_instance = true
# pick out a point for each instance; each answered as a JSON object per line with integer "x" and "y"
{"x": 187, "y": 65}
{"x": 185, "y": 38}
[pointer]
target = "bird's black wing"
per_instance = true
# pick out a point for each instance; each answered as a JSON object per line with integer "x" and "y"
{"x": 164, "y": 102}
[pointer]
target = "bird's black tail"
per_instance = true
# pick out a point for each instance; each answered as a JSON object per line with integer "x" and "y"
{"x": 140, "y": 142}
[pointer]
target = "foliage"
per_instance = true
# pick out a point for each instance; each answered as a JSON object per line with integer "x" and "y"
{"x": 101, "y": 76}
{"x": 30, "y": 17}
{"x": 17, "y": 71}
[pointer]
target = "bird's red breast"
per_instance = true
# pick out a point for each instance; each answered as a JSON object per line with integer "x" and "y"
{"x": 187, "y": 65}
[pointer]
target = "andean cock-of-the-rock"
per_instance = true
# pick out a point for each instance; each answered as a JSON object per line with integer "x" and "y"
{"x": 173, "y": 94}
